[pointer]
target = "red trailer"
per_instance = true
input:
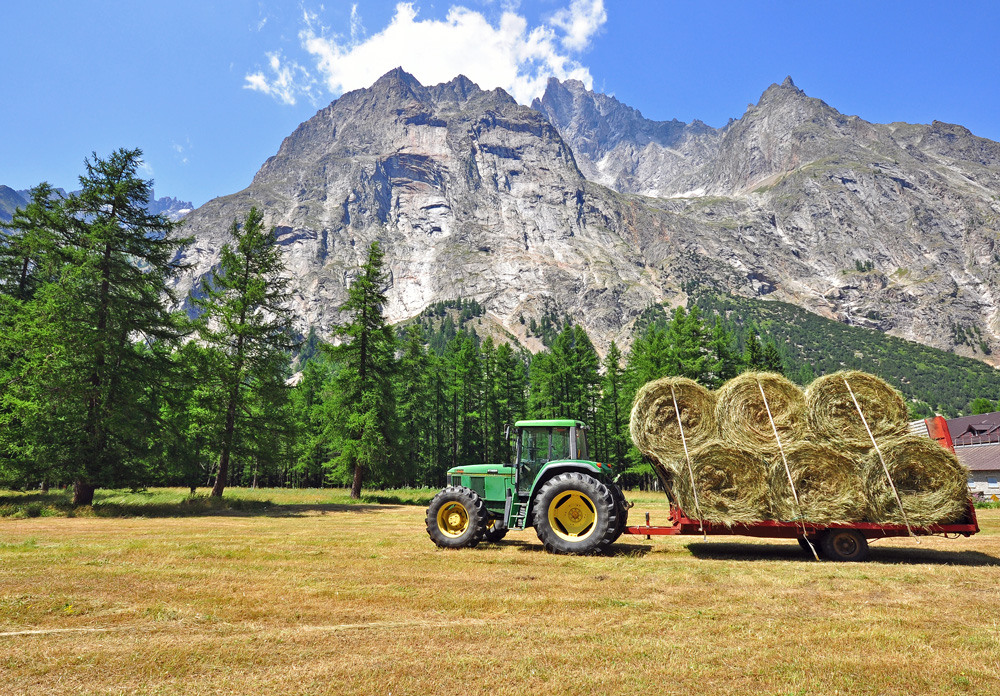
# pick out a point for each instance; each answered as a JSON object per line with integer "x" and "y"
{"x": 838, "y": 542}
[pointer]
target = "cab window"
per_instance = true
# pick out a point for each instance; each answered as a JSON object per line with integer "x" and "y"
{"x": 560, "y": 443}
{"x": 581, "y": 445}
{"x": 534, "y": 446}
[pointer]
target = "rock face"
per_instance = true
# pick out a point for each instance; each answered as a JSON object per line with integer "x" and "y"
{"x": 615, "y": 146}
{"x": 470, "y": 194}
{"x": 169, "y": 207}
{"x": 534, "y": 210}
{"x": 10, "y": 201}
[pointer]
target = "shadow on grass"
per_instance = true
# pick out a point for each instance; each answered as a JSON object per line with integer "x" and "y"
{"x": 612, "y": 551}
{"x": 59, "y": 504}
{"x": 735, "y": 551}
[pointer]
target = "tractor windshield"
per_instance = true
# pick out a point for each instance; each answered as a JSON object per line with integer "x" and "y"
{"x": 540, "y": 445}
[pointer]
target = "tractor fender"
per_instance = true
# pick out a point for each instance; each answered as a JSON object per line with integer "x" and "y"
{"x": 560, "y": 467}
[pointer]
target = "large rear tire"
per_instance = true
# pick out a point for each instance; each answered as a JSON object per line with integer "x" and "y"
{"x": 575, "y": 514}
{"x": 622, "y": 507}
{"x": 456, "y": 518}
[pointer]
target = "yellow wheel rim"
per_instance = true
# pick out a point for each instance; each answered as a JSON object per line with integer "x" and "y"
{"x": 572, "y": 516}
{"x": 453, "y": 519}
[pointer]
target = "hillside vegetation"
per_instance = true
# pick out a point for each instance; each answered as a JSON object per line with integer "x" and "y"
{"x": 811, "y": 345}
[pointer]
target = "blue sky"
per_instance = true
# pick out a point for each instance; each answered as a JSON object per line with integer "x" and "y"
{"x": 208, "y": 89}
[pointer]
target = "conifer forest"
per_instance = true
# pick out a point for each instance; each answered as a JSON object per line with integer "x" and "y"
{"x": 109, "y": 380}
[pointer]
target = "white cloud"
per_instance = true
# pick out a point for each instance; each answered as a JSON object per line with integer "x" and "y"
{"x": 181, "y": 149}
{"x": 288, "y": 80}
{"x": 580, "y": 21}
{"x": 508, "y": 54}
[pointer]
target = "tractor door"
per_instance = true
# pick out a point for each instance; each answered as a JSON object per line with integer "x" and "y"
{"x": 536, "y": 448}
{"x": 533, "y": 452}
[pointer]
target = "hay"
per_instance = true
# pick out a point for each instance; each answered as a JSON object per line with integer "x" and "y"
{"x": 653, "y": 423}
{"x": 731, "y": 485}
{"x": 742, "y": 417}
{"x": 932, "y": 483}
{"x": 828, "y": 484}
{"x": 833, "y": 416}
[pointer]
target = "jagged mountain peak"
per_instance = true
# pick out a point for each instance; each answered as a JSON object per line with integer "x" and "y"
{"x": 472, "y": 195}
{"x": 396, "y": 79}
{"x": 617, "y": 146}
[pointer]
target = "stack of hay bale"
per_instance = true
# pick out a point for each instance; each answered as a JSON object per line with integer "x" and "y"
{"x": 760, "y": 448}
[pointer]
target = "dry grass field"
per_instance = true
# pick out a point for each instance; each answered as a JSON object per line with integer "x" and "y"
{"x": 308, "y": 596}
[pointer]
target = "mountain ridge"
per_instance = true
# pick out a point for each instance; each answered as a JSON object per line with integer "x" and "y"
{"x": 890, "y": 226}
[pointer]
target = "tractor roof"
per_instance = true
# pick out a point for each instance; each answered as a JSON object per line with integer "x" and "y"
{"x": 549, "y": 423}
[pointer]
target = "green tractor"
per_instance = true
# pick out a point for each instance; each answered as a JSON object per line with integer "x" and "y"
{"x": 572, "y": 502}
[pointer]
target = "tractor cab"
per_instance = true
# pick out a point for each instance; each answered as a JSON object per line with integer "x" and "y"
{"x": 541, "y": 442}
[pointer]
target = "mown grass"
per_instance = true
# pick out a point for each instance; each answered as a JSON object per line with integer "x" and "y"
{"x": 174, "y": 502}
{"x": 320, "y": 597}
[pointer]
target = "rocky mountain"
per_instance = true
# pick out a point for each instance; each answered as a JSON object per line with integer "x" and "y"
{"x": 581, "y": 206}
{"x": 470, "y": 194}
{"x": 616, "y": 146}
{"x": 10, "y": 201}
{"x": 171, "y": 208}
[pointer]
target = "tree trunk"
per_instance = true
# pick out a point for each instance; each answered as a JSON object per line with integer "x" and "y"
{"x": 222, "y": 475}
{"x": 227, "y": 444}
{"x": 356, "y": 485}
{"x": 44, "y": 486}
{"x": 83, "y": 493}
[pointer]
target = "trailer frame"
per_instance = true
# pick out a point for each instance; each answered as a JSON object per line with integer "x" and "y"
{"x": 681, "y": 524}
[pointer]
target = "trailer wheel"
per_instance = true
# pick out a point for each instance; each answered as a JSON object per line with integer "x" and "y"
{"x": 495, "y": 531}
{"x": 844, "y": 545}
{"x": 815, "y": 543}
{"x": 575, "y": 513}
{"x": 456, "y": 518}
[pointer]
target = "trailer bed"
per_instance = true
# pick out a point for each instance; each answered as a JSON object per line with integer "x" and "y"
{"x": 773, "y": 529}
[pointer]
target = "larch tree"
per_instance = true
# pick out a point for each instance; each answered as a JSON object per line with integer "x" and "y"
{"x": 362, "y": 410}
{"x": 94, "y": 341}
{"x": 246, "y": 321}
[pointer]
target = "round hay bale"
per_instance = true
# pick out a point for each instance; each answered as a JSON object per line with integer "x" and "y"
{"x": 932, "y": 483}
{"x": 654, "y": 422}
{"x": 731, "y": 485}
{"x": 832, "y": 414}
{"x": 742, "y": 416}
{"x": 829, "y": 485}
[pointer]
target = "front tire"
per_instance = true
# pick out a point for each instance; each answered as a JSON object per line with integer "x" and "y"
{"x": 575, "y": 514}
{"x": 456, "y": 518}
{"x": 495, "y": 531}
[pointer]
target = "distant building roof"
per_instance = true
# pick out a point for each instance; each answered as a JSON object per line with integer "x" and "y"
{"x": 973, "y": 430}
{"x": 980, "y": 457}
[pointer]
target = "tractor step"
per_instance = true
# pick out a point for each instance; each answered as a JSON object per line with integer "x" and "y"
{"x": 520, "y": 510}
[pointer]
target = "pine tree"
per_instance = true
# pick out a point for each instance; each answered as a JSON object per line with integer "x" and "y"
{"x": 246, "y": 321}
{"x": 29, "y": 247}
{"x": 411, "y": 389}
{"x": 615, "y": 416}
{"x": 771, "y": 359}
{"x": 311, "y": 450}
{"x": 362, "y": 416}
{"x": 94, "y": 341}
{"x": 753, "y": 352}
